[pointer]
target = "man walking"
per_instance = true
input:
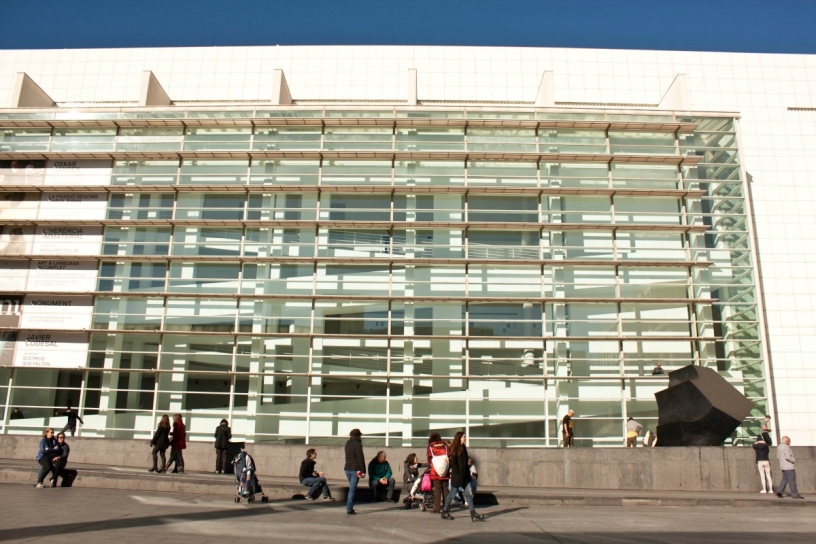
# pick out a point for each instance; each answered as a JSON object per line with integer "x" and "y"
{"x": 787, "y": 463}
{"x": 312, "y": 479}
{"x": 763, "y": 465}
{"x": 567, "y": 433}
{"x": 633, "y": 429}
{"x": 355, "y": 467}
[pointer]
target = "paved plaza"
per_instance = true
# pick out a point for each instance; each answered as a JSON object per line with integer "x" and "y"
{"x": 101, "y": 515}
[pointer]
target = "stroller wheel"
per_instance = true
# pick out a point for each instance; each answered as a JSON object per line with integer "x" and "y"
{"x": 265, "y": 499}
{"x": 237, "y": 499}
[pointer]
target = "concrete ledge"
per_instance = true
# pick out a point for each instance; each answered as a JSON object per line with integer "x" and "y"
{"x": 695, "y": 469}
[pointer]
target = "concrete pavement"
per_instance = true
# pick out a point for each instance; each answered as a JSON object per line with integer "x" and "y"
{"x": 98, "y": 515}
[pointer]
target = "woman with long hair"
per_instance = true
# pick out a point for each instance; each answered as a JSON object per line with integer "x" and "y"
{"x": 178, "y": 442}
{"x": 223, "y": 435}
{"x": 160, "y": 442}
{"x": 460, "y": 477}
{"x": 439, "y": 462}
{"x": 48, "y": 456}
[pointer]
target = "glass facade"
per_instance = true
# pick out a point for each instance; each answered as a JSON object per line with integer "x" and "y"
{"x": 303, "y": 272}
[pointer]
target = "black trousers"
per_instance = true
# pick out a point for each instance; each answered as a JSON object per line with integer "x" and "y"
{"x": 177, "y": 457}
{"x": 156, "y": 451}
{"x": 48, "y": 466}
{"x": 766, "y": 436}
{"x": 221, "y": 460}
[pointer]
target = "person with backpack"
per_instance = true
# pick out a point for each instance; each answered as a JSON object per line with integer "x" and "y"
{"x": 178, "y": 443}
{"x": 439, "y": 463}
{"x": 460, "y": 477}
{"x": 223, "y": 435}
{"x": 355, "y": 467}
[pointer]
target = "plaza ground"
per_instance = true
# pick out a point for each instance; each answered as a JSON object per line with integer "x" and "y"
{"x": 122, "y": 516}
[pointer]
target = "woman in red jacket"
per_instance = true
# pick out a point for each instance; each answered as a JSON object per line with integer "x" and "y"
{"x": 178, "y": 442}
{"x": 439, "y": 463}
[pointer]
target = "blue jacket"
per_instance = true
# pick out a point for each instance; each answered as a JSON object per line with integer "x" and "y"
{"x": 48, "y": 446}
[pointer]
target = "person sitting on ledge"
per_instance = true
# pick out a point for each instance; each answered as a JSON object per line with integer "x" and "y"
{"x": 379, "y": 474}
{"x": 311, "y": 478}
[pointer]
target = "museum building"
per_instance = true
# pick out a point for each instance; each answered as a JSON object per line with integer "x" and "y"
{"x": 306, "y": 240}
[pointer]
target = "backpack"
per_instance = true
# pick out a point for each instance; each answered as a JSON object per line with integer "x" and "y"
{"x": 440, "y": 463}
{"x": 425, "y": 484}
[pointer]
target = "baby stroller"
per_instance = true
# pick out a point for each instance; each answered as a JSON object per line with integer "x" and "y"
{"x": 421, "y": 492}
{"x": 245, "y": 479}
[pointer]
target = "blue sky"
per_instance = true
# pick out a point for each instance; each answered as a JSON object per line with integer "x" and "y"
{"x": 777, "y": 26}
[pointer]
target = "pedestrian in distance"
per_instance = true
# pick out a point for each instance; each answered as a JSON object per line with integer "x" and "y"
{"x": 438, "y": 455}
{"x": 658, "y": 370}
{"x": 633, "y": 429}
{"x": 160, "y": 443}
{"x": 48, "y": 456}
{"x": 380, "y": 475}
{"x": 567, "y": 431}
{"x": 787, "y": 464}
{"x": 312, "y": 479}
{"x": 355, "y": 466}
{"x": 16, "y": 414}
{"x": 72, "y": 416}
{"x": 460, "y": 477}
{"x": 766, "y": 430}
{"x": 762, "y": 450}
{"x": 223, "y": 435}
{"x": 178, "y": 443}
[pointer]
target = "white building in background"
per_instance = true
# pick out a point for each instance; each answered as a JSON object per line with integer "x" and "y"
{"x": 403, "y": 239}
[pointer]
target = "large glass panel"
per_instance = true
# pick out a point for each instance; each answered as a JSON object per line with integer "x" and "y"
{"x": 142, "y": 139}
{"x": 284, "y": 172}
{"x": 187, "y": 277}
{"x": 279, "y": 242}
{"x": 83, "y": 139}
{"x": 128, "y": 313}
{"x": 136, "y": 241}
{"x": 149, "y": 172}
{"x": 132, "y": 276}
{"x": 213, "y": 172}
{"x": 356, "y": 207}
{"x": 277, "y": 279}
{"x": 347, "y": 138}
{"x": 503, "y": 209}
{"x": 342, "y": 172}
{"x": 430, "y": 139}
{"x": 505, "y": 319}
{"x": 567, "y": 140}
{"x": 501, "y": 139}
{"x": 423, "y": 173}
{"x": 645, "y": 176}
{"x": 566, "y": 174}
{"x": 207, "y": 241}
{"x": 504, "y": 281}
{"x": 281, "y": 206}
{"x": 201, "y": 205}
{"x": 428, "y": 207}
{"x": 284, "y": 138}
{"x": 637, "y": 142}
{"x": 349, "y": 318}
{"x": 494, "y": 173}
{"x": 503, "y": 244}
{"x": 24, "y": 139}
{"x": 428, "y": 280}
{"x": 217, "y": 138}
{"x": 141, "y": 206}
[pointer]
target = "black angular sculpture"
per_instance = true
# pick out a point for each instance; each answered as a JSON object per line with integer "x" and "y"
{"x": 700, "y": 408}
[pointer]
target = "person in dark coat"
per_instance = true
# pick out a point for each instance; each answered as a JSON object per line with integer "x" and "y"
{"x": 410, "y": 475}
{"x": 17, "y": 414}
{"x": 72, "y": 416}
{"x": 178, "y": 443}
{"x": 355, "y": 467}
{"x": 437, "y": 448}
{"x": 67, "y": 474}
{"x": 223, "y": 435}
{"x": 48, "y": 456}
{"x": 160, "y": 442}
{"x": 460, "y": 477}
{"x": 763, "y": 464}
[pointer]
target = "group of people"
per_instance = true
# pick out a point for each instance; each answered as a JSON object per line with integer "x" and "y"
{"x": 173, "y": 436}
{"x": 52, "y": 457}
{"x": 448, "y": 465}
{"x": 787, "y": 462}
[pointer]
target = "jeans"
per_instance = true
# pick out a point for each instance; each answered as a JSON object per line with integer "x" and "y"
{"x": 220, "y": 460}
{"x": 375, "y": 486}
{"x": 353, "y": 480}
{"x": 46, "y": 466}
{"x": 156, "y": 451}
{"x": 764, "y": 468}
{"x": 69, "y": 428}
{"x": 788, "y": 477}
{"x": 315, "y": 483}
{"x": 178, "y": 458}
{"x": 468, "y": 497}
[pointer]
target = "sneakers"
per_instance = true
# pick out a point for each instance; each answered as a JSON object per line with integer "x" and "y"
{"x": 39, "y": 485}
{"x": 54, "y": 483}
{"x": 798, "y": 497}
{"x": 763, "y": 491}
{"x": 350, "y": 513}
{"x": 309, "y": 498}
{"x": 329, "y": 498}
{"x": 779, "y": 495}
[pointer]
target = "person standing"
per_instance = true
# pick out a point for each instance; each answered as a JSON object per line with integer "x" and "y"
{"x": 439, "y": 460}
{"x": 460, "y": 477}
{"x": 312, "y": 479}
{"x": 223, "y": 435}
{"x": 178, "y": 442}
{"x": 633, "y": 429}
{"x": 658, "y": 370}
{"x": 787, "y": 464}
{"x": 766, "y": 431}
{"x": 380, "y": 474}
{"x": 763, "y": 464}
{"x": 160, "y": 442}
{"x": 567, "y": 432}
{"x": 355, "y": 466}
{"x": 17, "y": 414}
{"x": 72, "y": 416}
{"x": 48, "y": 456}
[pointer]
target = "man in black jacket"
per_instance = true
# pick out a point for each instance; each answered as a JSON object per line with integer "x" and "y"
{"x": 68, "y": 475}
{"x": 312, "y": 479}
{"x": 763, "y": 464}
{"x": 355, "y": 467}
{"x": 72, "y": 416}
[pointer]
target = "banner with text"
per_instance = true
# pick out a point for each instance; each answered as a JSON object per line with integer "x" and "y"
{"x": 47, "y": 349}
{"x": 67, "y": 240}
{"x": 62, "y": 276}
{"x": 73, "y": 205}
{"x": 78, "y": 172}
{"x": 57, "y": 312}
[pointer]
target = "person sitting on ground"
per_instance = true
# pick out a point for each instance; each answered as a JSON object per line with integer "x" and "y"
{"x": 379, "y": 474}
{"x": 17, "y": 414}
{"x": 312, "y": 479}
{"x": 72, "y": 416}
{"x": 223, "y": 435}
{"x": 410, "y": 476}
{"x": 633, "y": 429}
{"x": 658, "y": 370}
{"x": 48, "y": 457}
